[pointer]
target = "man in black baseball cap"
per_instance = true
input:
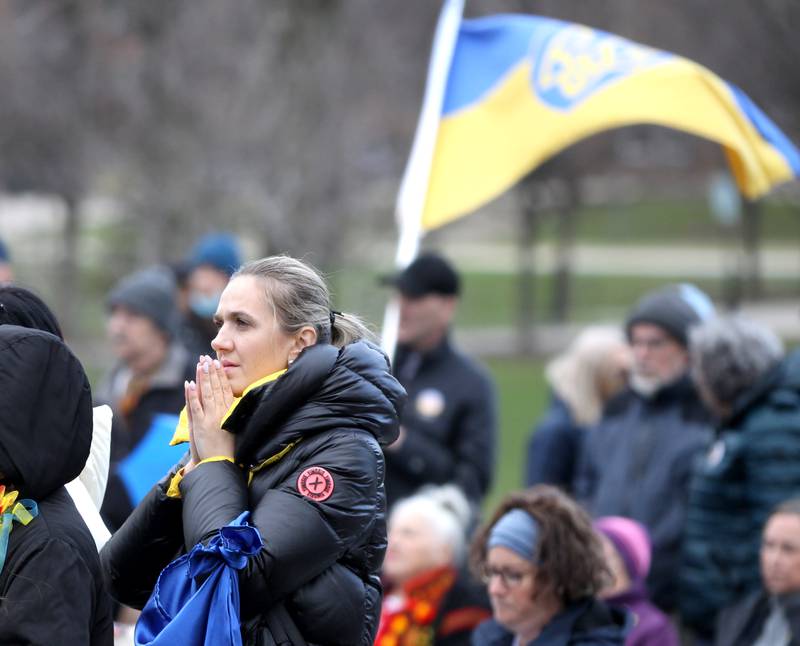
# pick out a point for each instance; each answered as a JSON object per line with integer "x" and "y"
{"x": 428, "y": 294}
{"x": 448, "y": 426}
{"x": 428, "y": 274}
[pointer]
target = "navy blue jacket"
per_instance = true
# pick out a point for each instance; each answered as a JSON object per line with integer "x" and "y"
{"x": 554, "y": 447}
{"x": 584, "y": 623}
{"x": 637, "y": 462}
{"x": 753, "y": 466}
{"x": 325, "y": 419}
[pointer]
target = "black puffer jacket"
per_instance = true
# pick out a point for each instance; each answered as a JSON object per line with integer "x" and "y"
{"x": 311, "y": 441}
{"x": 50, "y": 585}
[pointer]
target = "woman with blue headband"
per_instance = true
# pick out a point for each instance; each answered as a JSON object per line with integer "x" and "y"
{"x": 543, "y": 566}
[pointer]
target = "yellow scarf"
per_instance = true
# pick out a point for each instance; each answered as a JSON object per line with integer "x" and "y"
{"x": 182, "y": 429}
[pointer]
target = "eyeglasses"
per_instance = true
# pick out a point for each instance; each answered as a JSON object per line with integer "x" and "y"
{"x": 509, "y": 578}
{"x": 654, "y": 344}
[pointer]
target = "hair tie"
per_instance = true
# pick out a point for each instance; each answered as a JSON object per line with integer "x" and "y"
{"x": 333, "y": 315}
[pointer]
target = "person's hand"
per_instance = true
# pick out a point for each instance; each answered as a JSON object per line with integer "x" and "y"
{"x": 208, "y": 400}
{"x": 218, "y": 376}
{"x": 193, "y": 459}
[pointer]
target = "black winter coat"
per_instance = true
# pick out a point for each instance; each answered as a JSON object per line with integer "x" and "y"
{"x": 450, "y": 423}
{"x": 311, "y": 443}
{"x": 741, "y": 624}
{"x": 50, "y": 585}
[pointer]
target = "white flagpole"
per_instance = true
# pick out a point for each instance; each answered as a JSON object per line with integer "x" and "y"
{"x": 414, "y": 185}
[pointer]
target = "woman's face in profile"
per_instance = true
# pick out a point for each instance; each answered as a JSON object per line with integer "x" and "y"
{"x": 249, "y": 343}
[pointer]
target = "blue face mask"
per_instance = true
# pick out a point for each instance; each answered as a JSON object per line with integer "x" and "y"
{"x": 204, "y": 305}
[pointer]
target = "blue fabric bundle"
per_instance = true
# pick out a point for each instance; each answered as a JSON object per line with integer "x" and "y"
{"x": 182, "y": 612}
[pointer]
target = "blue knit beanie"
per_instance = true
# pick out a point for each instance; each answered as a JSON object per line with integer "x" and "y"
{"x": 220, "y": 250}
{"x": 518, "y": 531}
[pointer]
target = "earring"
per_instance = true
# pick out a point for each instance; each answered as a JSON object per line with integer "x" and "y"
{"x": 291, "y": 361}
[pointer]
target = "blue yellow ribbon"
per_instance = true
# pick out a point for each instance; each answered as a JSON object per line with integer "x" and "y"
{"x": 23, "y": 512}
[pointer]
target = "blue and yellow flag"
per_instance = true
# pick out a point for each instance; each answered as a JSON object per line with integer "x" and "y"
{"x": 522, "y": 88}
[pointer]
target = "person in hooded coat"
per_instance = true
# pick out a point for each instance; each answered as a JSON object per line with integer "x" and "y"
{"x": 287, "y": 424}
{"x": 51, "y": 589}
{"x": 20, "y": 306}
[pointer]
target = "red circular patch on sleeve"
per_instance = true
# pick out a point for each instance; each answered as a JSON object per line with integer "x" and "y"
{"x": 315, "y": 483}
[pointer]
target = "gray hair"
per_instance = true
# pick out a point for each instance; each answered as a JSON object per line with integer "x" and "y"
{"x": 729, "y": 354}
{"x": 446, "y": 510}
{"x": 298, "y": 295}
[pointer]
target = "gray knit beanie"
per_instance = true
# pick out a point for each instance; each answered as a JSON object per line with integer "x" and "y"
{"x": 151, "y": 293}
{"x": 675, "y": 308}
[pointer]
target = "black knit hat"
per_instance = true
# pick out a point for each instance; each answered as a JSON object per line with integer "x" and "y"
{"x": 674, "y": 308}
{"x": 428, "y": 274}
{"x": 150, "y": 293}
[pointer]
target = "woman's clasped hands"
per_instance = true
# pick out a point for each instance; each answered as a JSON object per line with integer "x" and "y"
{"x": 208, "y": 399}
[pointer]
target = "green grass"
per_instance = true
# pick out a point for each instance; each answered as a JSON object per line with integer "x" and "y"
{"x": 669, "y": 222}
{"x": 522, "y": 397}
{"x": 491, "y": 299}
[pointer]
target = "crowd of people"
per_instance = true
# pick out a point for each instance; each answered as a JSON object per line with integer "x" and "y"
{"x": 254, "y": 469}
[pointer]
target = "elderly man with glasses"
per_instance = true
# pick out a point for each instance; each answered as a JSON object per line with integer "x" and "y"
{"x": 637, "y": 461}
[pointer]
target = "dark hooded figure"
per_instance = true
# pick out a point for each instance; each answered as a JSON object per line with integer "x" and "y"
{"x": 50, "y": 584}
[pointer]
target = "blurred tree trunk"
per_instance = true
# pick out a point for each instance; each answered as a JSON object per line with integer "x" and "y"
{"x": 566, "y": 226}
{"x": 751, "y": 243}
{"x": 69, "y": 271}
{"x": 526, "y": 255}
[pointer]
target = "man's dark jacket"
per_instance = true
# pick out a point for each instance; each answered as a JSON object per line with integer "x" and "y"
{"x": 753, "y": 466}
{"x": 164, "y": 395}
{"x": 742, "y": 623}
{"x": 637, "y": 462}
{"x": 450, "y": 423}
{"x": 318, "y": 569}
{"x": 51, "y": 588}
